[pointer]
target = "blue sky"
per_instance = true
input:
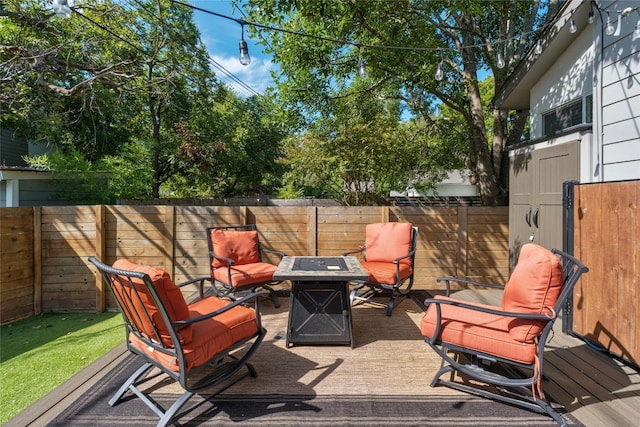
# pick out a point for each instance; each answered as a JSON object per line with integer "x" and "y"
{"x": 221, "y": 36}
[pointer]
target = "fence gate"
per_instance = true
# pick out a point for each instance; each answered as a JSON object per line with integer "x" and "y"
{"x": 603, "y": 231}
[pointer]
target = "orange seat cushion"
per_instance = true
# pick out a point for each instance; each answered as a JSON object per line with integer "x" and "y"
{"x": 385, "y": 272}
{"x": 475, "y": 330}
{"x": 386, "y": 241}
{"x": 169, "y": 294}
{"x": 246, "y": 274}
{"x": 210, "y": 336}
{"x": 534, "y": 287}
{"x": 238, "y": 245}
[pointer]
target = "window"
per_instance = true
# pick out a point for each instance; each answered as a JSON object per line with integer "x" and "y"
{"x": 568, "y": 115}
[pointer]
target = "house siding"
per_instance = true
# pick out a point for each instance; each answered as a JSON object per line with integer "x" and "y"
{"x": 569, "y": 79}
{"x": 12, "y": 149}
{"x": 607, "y": 67}
{"x": 618, "y": 66}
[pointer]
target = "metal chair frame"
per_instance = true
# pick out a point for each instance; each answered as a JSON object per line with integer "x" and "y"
{"x": 367, "y": 291}
{"x": 515, "y": 386}
{"x": 229, "y": 290}
{"x": 200, "y": 379}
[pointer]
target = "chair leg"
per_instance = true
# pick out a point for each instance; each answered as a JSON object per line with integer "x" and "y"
{"x": 173, "y": 410}
{"x": 130, "y": 382}
{"x": 524, "y": 398}
{"x": 273, "y": 295}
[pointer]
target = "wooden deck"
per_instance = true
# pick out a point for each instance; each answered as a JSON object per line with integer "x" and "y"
{"x": 594, "y": 387}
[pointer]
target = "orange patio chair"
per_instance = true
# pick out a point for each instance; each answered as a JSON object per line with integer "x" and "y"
{"x": 199, "y": 344}
{"x": 236, "y": 260}
{"x": 388, "y": 256}
{"x": 503, "y": 346}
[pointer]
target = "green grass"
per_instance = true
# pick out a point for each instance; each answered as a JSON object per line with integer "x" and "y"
{"x": 40, "y": 353}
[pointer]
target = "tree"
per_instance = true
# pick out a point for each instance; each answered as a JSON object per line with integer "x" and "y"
{"x": 124, "y": 81}
{"x": 232, "y": 148}
{"x": 318, "y": 45}
{"x": 361, "y": 152}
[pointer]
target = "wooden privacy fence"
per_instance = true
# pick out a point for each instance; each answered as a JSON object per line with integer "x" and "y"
{"x": 44, "y": 250}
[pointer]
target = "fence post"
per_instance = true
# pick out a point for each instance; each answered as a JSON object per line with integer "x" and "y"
{"x": 312, "y": 230}
{"x": 463, "y": 242}
{"x": 170, "y": 239}
{"x": 37, "y": 260}
{"x": 101, "y": 297}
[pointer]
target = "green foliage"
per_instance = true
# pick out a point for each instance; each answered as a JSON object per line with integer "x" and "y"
{"x": 289, "y": 191}
{"x": 402, "y": 43}
{"x": 362, "y": 152}
{"x": 127, "y": 88}
{"x": 126, "y": 176}
{"x": 40, "y": 353}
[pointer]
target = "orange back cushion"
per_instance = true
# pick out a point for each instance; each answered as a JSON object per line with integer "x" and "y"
{"x": 240, "y": 246}
{"x": 169, "y": 294}
{"x": 534, "y": 285}
{"x": 386, "y": 241}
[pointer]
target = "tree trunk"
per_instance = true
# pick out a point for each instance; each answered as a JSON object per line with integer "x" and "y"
{"x": 491, "y": 193}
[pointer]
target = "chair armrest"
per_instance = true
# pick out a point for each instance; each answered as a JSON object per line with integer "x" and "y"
{"x": 448, "y": 279}
{"x": 409, "y": 255}
{"x": 496, "y": 311}
{"x": 229, "y": 261}
{"x": 356, "y": 251}
{"x": 273, "y": 251}
{"x": 253, "y": 296}
{"x": 200, "y": 283}
{"x": 511, "y": 314}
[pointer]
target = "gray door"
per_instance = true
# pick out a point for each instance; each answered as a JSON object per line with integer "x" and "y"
{"x": 535, "y": 204}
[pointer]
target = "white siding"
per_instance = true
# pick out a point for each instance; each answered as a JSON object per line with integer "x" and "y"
{"x": 569, "y": 79}
{"x": 620, "y": 100}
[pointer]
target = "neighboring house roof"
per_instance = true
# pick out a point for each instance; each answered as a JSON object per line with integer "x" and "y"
{"x": 515, "y": 93}
{"x": 17, "y": 172}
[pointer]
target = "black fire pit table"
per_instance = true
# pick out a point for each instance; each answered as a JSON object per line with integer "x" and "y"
{"x": 319, "y": 306}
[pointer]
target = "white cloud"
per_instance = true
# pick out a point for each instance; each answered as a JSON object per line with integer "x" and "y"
{"x": 255, "y": 75}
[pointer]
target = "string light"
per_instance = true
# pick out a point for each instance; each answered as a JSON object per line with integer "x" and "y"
{"x": 609, "y": 29}
{"x": 538, "y": 49}
{"x": 500, "y": 60}
{"x": 62, "y": 8}
{"x": 440, "y": 71}
{"x": 245, "y": 59}
{"x": 362, "y": 66}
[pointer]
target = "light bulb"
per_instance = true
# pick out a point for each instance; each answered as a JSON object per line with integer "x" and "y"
{"x": 609, "y": 30}
{"x": 572, "y": 26}
{"x": 61, "y": 8}
{"x": 245, "y": 59}
{"x": 440, "y": 71}
{"x": 538, "y": 49}
{"x": 617, "y": 32}
{"x": 362, "y": 69}
{"x": 500, "y": 61}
